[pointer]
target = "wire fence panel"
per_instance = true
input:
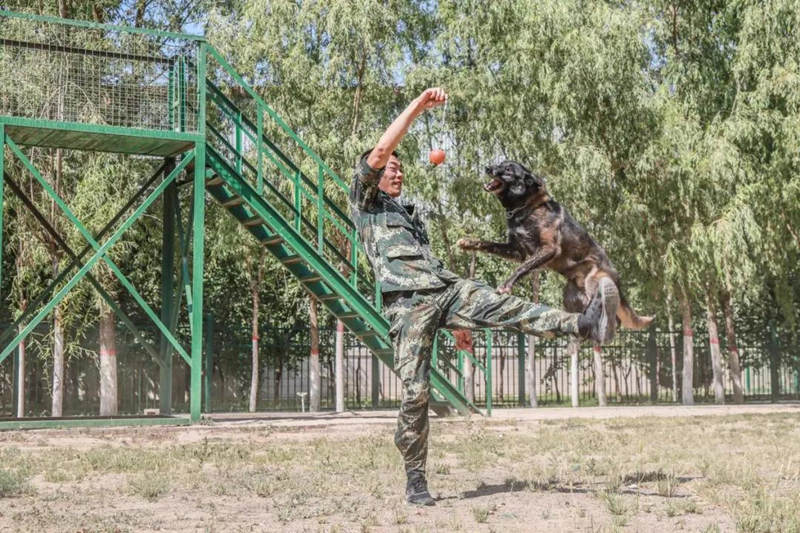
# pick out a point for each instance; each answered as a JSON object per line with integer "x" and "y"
{"x": 636, "y": 368}
{"x": 96, "y": 75}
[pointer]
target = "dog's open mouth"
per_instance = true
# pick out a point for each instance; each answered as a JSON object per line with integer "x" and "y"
{"x": 495, "y": 186}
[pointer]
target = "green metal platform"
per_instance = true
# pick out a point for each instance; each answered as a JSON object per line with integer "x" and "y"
{"x": 148, "y": 93}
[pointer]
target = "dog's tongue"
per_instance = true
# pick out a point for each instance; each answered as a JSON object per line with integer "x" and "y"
{"x": 493, "y": 185}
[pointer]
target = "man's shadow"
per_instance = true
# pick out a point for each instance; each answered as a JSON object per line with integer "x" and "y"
{"x": 516, "y": 485}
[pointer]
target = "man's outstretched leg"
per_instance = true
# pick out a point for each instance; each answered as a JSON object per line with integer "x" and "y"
{"x": 415, "y": 320}
{"x": 471, "y": 304}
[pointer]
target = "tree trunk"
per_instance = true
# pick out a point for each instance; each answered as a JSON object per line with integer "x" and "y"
{"x": 572, "y": 348}
{"x": 688, "y": 350}
{"x": 339, "y": 366}
{"x": 599, "y": 376}
{"x": 313, "y": 396}
{"x": 108, "y": 363}
{"x": 464, "y": 342}
{"x": 673, "y": 354}
{"x": 467, "y": 341}
{"x": 733, "y": 348}
{"x": 530, "y": 367}
{"x": 716, "y": 357}
{"x": 254, "y": 295}
{"x": 58, "y": 362}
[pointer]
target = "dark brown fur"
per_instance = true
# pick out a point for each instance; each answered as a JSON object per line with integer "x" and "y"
{"x": 542, "y": 234}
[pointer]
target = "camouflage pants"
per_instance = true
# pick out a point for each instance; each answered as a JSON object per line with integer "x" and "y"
{"x": 416, "y": 316}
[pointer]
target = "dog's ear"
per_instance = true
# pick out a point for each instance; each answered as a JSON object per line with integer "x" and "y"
{"x": 532, "y": 179}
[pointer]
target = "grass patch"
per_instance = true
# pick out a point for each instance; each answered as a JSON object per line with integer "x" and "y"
{"x": 614, "y": 503}
{"x": 481, "y": 514}
{"x": 12, "y": 483}
{"x": 150, "y": 487}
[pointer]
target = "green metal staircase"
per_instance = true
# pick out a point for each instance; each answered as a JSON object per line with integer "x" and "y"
{"x": 252, "y": 203}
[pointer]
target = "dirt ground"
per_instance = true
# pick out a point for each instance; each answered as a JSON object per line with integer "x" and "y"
{"x": 703, "y": 468}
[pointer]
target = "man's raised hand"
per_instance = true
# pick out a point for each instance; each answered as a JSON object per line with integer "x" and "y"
{"x": 430, "y": 98}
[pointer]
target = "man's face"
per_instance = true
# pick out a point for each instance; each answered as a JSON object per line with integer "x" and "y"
{"x": 392, "y": 181}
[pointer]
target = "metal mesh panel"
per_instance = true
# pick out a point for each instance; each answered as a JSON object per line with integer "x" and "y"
{"x": 95, "y": 76}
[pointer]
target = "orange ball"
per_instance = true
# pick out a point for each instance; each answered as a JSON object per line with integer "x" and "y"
{"x": 436, "y": 157}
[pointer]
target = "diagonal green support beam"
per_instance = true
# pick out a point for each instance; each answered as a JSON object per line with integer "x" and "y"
{"x": 31, "y": 308}
{"x": 77, "y": 262}
{"x": 88, "y": 236}
{"x": 89, "y": 264}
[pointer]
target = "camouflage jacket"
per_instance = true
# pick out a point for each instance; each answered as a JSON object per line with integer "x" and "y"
{"x": 394, "y": 237}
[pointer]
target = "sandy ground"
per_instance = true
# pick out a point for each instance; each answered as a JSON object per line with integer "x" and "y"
{"x": 650, "y": 468}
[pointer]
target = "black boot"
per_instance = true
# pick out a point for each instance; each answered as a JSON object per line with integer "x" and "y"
{"x": 598, "y": 321}
{"x": 417, "y": 490}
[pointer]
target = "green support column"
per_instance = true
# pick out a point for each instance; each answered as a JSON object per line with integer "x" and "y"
{"x": 208, "y": 372}
{"x": 521, "y": 367}
{"x": 2, "y": 205}
{"x": 167, "y": 289}
{"x": 15, "y": 365}
{"x": 198, "y": 227}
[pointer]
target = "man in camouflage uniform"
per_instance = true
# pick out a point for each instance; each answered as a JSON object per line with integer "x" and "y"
{"x": 420, "y": 295}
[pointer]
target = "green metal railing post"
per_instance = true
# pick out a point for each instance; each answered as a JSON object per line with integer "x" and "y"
{"x": 260, "y": 150}
{"x": 181, "y": 100}
{"x": 320, "y": 209}
{"x": 488, "y": 374}
{"x": 169, "y": 202}
{"x": 239, "y": 156}
{"x": 208, "y": 372}
{"x": 298, "y": 204}
{"x": 198, "y": 228}
{"x": 171, "y": 96}
{"x": 521, "y": 368}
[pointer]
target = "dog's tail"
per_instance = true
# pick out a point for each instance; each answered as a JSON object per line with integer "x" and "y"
{"x": 628, "y": 317}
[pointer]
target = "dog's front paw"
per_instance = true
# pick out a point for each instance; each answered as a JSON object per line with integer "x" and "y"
{"x": 504, "y": 289}
{"x": 468, "y": 243}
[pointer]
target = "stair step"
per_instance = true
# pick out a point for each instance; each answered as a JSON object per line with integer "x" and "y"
{"x": 213, "y": 182}
{"x": 291, "y": 259}
{"x": 233, "y": 202}
{"x": 311, "y": 279}
{"x": 253, "y": 221}
{"x": 345, "y": 316}
{"x": 365, "y": 333}
{"x": 272, "y": 239}
{"x": 328, "y": 297}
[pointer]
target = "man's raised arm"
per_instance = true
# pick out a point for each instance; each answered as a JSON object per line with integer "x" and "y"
{"x": 429, "y": 99}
